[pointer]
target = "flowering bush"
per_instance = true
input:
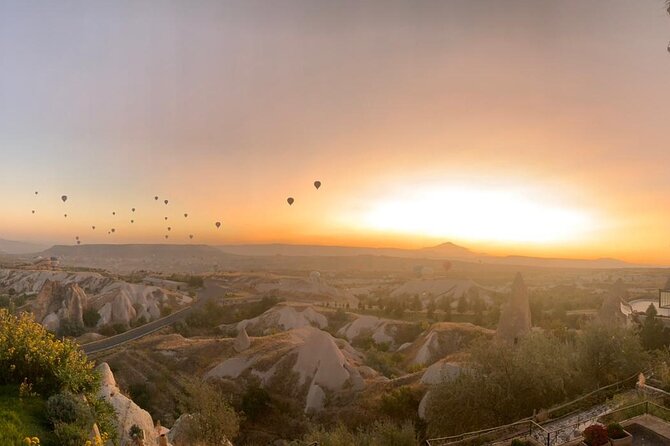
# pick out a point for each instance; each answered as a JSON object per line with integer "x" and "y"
{"x": 596, "y": 435}
{"x": 33, "y": 357}
{"x": 615, "y": 431}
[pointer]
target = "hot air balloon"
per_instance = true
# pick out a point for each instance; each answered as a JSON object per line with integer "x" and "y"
{"x": 166, "y": 236}
{"x": 185, "y": 215}
{"x": 218, "y": 224}
{"x": 33, "y": 211}
{"x": 76, "y": 238}
{"x": 165, "y": 218}
{"x": 166, "y": 202}
{"x": 93, "y": 227}
{"x": 65, "y": 215}
{"x": 132, "y": 221}
{"x": 64, "y": 198}
{"x": 133, "y": 209}
{"x": 113, "y": 213}
{"x": 169, "y": 228}
{"x": 317, "y": 184}
{"x": 190, "y": 236}
{"x": 446, "y": 265}
{"x": 290, "y": 200}
{"x": 78, "y": 242}
{"x": 36, "y": 192}
{"x": 156, "y": 198}
{"x": 113, "y": 230}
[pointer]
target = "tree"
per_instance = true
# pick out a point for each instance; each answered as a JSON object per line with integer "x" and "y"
{"x": 214, "y": 420}
{"x": 431, "y": 308}
{"x": 462, "y": 304}
{"x": 652, "y": 333}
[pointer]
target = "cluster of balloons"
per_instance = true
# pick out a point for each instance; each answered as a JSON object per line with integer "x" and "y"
{"x": 64, "y": 199}
{"x": 217, "y": 224}
{"x": 291, "y": 200}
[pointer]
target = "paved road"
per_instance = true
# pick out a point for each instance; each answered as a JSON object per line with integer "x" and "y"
{"x": 211, "y": 289}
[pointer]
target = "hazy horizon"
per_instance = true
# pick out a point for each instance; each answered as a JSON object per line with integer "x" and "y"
{"x": 532, "y": 128}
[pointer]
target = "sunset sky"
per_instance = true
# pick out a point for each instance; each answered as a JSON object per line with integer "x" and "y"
{"x": 537, "y": 127}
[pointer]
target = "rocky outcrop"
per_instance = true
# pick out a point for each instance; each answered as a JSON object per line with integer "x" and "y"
{"x": 441, "y": 340}
{"x": 127, "y": 412}
{"x": 57, "y": 301}
{"x": 302, "y": 360}
{"x": 282, "y": 317}
{"x": 382, "y": 331}
{"x": 242, "y": 341}
{"x": 515, "y": 319}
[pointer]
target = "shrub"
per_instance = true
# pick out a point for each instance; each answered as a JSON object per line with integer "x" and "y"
{"x": 29, "y": 352}
{"x": 65, "y": 407}
{"x": 91, "y": 317}
{"x": 255, "y": 402}
{"x": 71, "y": 434}
{"x": 71, "y": 328}
{"x": 595, "y": 435}
{"x": 615, "y": 430}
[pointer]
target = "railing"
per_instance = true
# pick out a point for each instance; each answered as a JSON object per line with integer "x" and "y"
{"x": 527, "y": 428}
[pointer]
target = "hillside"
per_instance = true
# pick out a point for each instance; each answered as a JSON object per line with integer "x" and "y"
{"x": 18, "y": 247}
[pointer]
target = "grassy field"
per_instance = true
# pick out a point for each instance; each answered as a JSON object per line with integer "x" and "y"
{"x": 22, "y": 417}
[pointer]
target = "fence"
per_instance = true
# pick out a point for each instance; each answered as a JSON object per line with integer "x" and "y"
{"x": 527, "y": 428}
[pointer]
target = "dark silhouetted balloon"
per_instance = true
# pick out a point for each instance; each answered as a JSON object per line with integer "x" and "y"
{"x": 166, "y": 218}
{"x": 190, "y": 236}
{"x": 64, "y": 198}
{"x": 132, "y": 221}
{"x": 36, "y": 192}
{"x": 317, "y": 184}
{"x": 169, "y": 228}
{"x": 166, "y": 236}
{"x": 76, "y": 238}
{"x": 93, "y": 227}
{"x": 185, "y": 215}
{"x": 166, "y": 202}
{"x": 156, "y": 198}
{"x": 290, "y": 200}
{"x": 78, "y": 242}
{"x": 133, "y": 209}
{"x": 218, "y": 224}
{"x": 33, "y": 211}
{"x": 446, "y": 265}
{"x": 113, "y": 230}
{"x": 65, "y": 215}
{"x": 113, "y": 213}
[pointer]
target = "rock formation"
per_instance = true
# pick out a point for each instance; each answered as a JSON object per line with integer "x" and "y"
{"x": 515, "y": 315}
{"x": 441, "y": 340}
{"x": 57, "y": 301}
{"x": 242, "y": 341}
{"x": 127, "y": 412}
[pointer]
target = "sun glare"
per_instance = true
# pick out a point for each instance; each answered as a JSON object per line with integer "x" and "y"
{"x": 500, "y": 216}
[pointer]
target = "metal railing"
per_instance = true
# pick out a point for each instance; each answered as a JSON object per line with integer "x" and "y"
{"x": 527, "y": 428}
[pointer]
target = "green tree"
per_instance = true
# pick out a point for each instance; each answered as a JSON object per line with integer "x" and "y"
{"x": 214, "y": 420}
{"x": 652, "y": 333}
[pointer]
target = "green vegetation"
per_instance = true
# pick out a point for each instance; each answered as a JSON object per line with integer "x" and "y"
{"x": 213, "y": 416}
{"x": 381, "y": 433}
{"x": 506, "y": 383}
{"x": 39, "y": 366}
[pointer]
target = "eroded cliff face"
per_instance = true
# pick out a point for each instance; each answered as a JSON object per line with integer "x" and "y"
{"x": 59, "y": 301}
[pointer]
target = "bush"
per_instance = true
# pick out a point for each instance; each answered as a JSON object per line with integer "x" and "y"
{"x": 71, "y": 328}
{"x": 255, "y": 402}
{"x": 71, "y": 434}
{"x": 596, "y": 435}
{"x": 67, "y": 408}
{"x": 91, "y": 317}
{"x": 615, "y": 431}
{"x": 29, "y": 352}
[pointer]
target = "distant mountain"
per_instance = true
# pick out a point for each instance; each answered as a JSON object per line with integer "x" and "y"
{"x": 443, "y": 251}
{"x": 17, "y": 247}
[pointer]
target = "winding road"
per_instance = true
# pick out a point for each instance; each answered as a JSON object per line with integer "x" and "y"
{"x": 211, "y": 289}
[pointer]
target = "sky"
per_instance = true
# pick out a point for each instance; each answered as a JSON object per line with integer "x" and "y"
{"x": 534, "y": 127}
